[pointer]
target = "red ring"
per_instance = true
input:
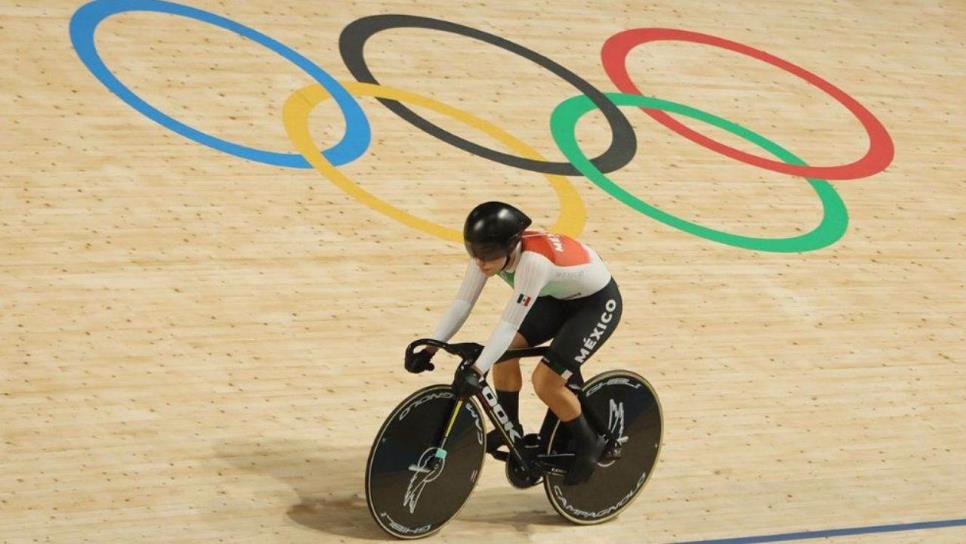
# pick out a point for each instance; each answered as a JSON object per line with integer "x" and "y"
{"x": 877, "y": 158}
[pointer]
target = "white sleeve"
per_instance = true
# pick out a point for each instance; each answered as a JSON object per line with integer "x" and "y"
{"x": 466, "y": 297}
{"x": 532, "y": 275}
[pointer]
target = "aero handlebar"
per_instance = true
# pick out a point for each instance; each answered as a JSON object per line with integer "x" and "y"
{"x": 469, "y": 351}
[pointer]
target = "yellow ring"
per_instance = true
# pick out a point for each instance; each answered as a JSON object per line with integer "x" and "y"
{"x": 295, "y": 115}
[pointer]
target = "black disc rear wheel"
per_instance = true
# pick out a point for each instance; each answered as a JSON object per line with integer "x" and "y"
{"x": 626, "y": 405}
{"x": 412, "y": 488}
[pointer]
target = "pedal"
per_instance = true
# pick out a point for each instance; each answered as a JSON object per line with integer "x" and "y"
{"x": 612, "y": 454}
{"x": 494, "y": 441}
{"x": 499, "y": 455}
{"x": 530, "y": 444}
{"x": 615, "y": 449}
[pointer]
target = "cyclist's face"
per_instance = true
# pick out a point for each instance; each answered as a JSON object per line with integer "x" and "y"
{"x": 490, "y": 267}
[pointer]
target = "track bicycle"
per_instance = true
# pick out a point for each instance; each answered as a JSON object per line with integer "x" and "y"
{"x": 428, "y": 454}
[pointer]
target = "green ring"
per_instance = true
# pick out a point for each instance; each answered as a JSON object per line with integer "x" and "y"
{"x": 835, "y": 217}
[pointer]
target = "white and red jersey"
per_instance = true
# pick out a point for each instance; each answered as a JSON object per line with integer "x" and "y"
{"x": 542, "y": 264}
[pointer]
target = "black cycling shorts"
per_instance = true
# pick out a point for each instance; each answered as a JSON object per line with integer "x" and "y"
{"x": 578, "y": 328}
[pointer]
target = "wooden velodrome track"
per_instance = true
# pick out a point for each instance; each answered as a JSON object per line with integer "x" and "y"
{"x": 197, "y": 347}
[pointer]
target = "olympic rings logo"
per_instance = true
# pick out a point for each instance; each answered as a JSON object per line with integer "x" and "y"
{"x": 563, "y": 121}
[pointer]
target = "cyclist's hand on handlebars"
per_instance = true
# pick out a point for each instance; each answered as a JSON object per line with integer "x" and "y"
{"x": 420, "y": 362}
{"x": 467, "y": 382}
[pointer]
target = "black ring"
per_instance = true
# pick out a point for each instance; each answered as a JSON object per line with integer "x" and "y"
{"x": 622, "y": 148}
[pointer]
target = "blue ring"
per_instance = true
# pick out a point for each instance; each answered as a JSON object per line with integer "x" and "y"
{"x": 85, "y": 20}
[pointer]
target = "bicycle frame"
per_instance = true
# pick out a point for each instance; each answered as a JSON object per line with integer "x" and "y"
{"x": 468, "y": 352}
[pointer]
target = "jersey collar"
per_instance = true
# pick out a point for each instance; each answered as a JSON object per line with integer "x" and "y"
{"x": 514, "y": 260}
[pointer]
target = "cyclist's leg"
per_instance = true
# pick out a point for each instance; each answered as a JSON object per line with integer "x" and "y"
{"x": 506, "y": 374}
{"x": 507, "y": 381}
{"x": 587, "y": 327}
{"x": 540, "y": 325}
{"x": 590, "y": 325}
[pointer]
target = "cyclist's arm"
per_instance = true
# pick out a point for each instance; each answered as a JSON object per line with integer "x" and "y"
{"x": 532, "y": 275}
{"x": 466, "y": 298}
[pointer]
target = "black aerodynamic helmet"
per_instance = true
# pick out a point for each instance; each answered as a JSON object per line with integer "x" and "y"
{"x": 493, "y": 229}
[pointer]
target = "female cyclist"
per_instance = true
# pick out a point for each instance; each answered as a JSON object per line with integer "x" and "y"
{"x": 561, "y": 291}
